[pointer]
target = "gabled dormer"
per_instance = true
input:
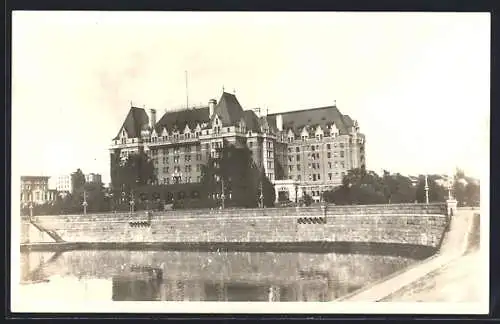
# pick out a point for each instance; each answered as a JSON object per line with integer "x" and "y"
{"x": 290, "y": 136}
{"x": 355, "y": 126}
{"x": 242, "y": 125}
{"x": 216, "y": 124}
{"x": 197, "y": 130}
{"x": 154, "y": 136}
{"x": 304, "y": 134}
{"x": 187, "y": 130}
{"x": 334, "y": 131}
{"x": 319, "y": 133}
{"x": 164, "y": 133}
{"x": 123, "y": 136}
{"x": 264, "y": 126}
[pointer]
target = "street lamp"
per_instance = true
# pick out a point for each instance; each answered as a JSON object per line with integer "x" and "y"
{"x": 296, "y": 194}
{"x": 84, "y": 204}
{"x": 223, "y": 196}
{"x": 31, "y": 210}
{"x": 132, "y": 203}
{"x": 426, "y": 188}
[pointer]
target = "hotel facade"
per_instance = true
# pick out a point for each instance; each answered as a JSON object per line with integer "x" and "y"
{"x": 302, "y": 151}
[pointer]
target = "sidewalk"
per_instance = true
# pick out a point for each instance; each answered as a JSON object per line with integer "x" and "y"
{"x": 455, "y": 282}
{"x": 453, "y": 247}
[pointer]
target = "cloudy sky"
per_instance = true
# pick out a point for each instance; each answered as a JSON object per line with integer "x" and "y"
{"x": 418, "y": 83}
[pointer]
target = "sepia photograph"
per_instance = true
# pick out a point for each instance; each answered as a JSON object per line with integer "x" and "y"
{"x": 250, "y": 162}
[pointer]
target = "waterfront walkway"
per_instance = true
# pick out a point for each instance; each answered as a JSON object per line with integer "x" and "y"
{"x": 447, "y": 263}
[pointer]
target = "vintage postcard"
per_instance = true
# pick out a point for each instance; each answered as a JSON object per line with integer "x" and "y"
{"x": 250, "y": 162}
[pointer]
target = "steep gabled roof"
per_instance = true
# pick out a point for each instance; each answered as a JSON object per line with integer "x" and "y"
{"x": 134, "y": 122}
{"x": 229, "y": 109}
{"x": 178, "y": 119}
{"x": 322, "y": 116}
{"x": 251, "y": 120}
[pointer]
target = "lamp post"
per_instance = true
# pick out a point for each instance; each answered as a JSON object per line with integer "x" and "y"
{"x": 31, "y": 210}
{"x": 222, "y": 196}
{"x": 132, "y": 203}
{"x": 450, "y": 187}
{"x": 84, "y": 204}
{"x": 296, "y": 194}
{"x": 426, "y": 188}
{"x": 261, "y": 197}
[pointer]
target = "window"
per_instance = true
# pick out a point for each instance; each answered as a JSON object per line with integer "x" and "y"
{"x": 329, "y": 165}
{"x": 329, "y": 155}
{"x": 228, "y": 129}
{"x": 341, "y": 154}
{"x": 298, "y": 177}
{"x": 297, "y": 149}
{"x": 327, "y": 146}
{"x": 250, "y": 144}
{"x": 314, "y": 177}
{"x": 341, "y": 145}
{"x": 207, "y": 146}
{"x": 312, "y": 148}
{"x": 298, "y": 167}
{"x": 198, "y": 167}
{"x": 165, "y": 169}
{"x": 329, "y": 176}
{"x": 342, "y": 164}
{"x": 187, "y": 158}
{"x": 319, "y": 178}
{"x": 290, "y": 168}
{"x": 289, "y": 159}
{"x": 298, "y": 157}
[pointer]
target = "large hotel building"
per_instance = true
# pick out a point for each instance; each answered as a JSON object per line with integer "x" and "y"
{"x": 301, "y": 151}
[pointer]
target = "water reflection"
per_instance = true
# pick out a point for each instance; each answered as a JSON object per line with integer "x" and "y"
{"x": 213, "y": 276}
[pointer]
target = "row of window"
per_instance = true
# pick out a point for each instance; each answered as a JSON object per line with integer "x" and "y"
{"x": 176, "y": 150}
{"x": 179, "y": 179}
{"x": 316, "y": 177}
{"x": 316, "y": 147}
{"x": 177, "y": 169}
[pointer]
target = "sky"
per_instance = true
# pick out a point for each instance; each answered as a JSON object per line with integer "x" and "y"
{"x": 417, "y": 83}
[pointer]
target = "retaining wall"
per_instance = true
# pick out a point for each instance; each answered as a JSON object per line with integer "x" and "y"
{"x": 417, "y": 224}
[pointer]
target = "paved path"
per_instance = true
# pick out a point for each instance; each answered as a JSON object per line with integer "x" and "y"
{"x": 458, "y": 281}
{"x": 453, "y": 247}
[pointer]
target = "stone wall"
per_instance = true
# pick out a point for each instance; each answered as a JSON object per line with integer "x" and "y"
{"x": 417, "y": 224}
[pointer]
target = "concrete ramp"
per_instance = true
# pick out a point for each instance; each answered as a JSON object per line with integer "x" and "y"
{"x": 454, "y": 245}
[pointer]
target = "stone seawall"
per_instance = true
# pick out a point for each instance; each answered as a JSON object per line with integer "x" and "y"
{"x": 414, "y": 224}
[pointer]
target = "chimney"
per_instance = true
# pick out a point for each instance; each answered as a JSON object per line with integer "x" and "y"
{"x": 211, "y": 106}
{"x": 279, "y": 122}
{"x": 152, "y": 117}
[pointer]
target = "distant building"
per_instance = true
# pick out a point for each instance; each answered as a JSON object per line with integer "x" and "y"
{"x": 93, "y": 178}
{"x": 35, "y": 189}
{"x": 304, "y": 151}
{"x": 65, "y": 185}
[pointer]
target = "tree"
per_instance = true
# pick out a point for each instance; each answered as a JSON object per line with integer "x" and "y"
{"x": 437, "y": 193}
{"x": 130, "y": 173}
{"x": 232, "y": 172}
{"x": 360, "y": 186}
{"x": 307, "y": 199}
